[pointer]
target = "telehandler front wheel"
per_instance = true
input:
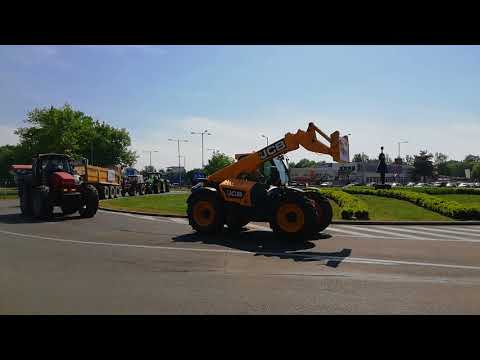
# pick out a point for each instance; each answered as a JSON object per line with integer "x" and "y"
{"x": 294, "y": 219}
{"x": 205, "y": 213}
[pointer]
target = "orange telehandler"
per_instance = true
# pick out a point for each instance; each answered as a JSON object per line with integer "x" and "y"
{"x": 255, "y": 188}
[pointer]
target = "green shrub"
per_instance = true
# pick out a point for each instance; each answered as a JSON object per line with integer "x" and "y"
{"x": 350, "y": 206}
{"x": 448, "y": 208}
{"x": 444, "y": 190}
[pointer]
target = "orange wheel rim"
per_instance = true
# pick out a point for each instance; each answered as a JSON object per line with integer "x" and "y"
{"x": 203, "y": 213}
{"x": 290, "y": 218}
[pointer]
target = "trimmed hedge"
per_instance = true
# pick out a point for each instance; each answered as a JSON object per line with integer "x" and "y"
{"x": 350, "y": 206}
{"x": 444, "y": 190}
{"x": 448, "y": 208}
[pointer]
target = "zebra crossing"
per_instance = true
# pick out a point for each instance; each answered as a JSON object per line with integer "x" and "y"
{"x": 399, "y": 232}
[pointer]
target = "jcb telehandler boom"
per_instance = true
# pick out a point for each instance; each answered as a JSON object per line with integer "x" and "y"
{"x": 255, "y": 188}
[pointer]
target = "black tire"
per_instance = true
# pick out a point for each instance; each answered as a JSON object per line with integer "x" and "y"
{"x": 113, "y": 191}
{"x": 124, "y": 193}
{"x": 324, "y": 211}
{"x": 90, "y": 202}
{"x": 131, "y": 191}
{"x": 106, "y": 190}
{"x": 68, "y": 210}
{"x": 155, "y": 188}
{"x": 26, "y": 205}
{"x": 235, "y": 221}
{"x": 101, "y": 192}
{"x": 294, "y": 218}
{"x": 205, "y": 213}
{"x": 42, "y": 209}
{"x": 141, "y": 191}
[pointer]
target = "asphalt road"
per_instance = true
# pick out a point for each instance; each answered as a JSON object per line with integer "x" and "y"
{"x": 132, "y": 264}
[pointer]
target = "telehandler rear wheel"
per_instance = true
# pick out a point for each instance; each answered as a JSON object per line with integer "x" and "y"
{"x": 205, "y": 213}
{"x": 294, "y": 219}
{"x": 324, "y": 211}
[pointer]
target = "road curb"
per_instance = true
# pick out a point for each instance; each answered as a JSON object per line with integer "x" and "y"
{"x": 335, "y": 222}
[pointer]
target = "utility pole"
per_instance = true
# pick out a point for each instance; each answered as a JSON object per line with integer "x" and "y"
{"x": 179, "y": 171}
{"x": 150, "y": 151}
{"x": 205, "y": 132}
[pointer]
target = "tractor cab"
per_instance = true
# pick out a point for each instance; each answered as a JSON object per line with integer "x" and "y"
{"x": 52, "y": 169}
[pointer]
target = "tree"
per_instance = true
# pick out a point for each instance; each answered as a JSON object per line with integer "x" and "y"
{"x": 218, "y": 161}
{"x": 305, "y": 163}
{"x": 472, "y": 158}
{"x": 476, "y": 172}
{"x": 189, "y": 174}
{"x": 68, "y": 131}
{"x": 148, "y": 169}
{"x": 440, "y": 158}
{"x": 423, "y": 166}
{"x": 360, "y": 158}
{"x": 409, "y": 160}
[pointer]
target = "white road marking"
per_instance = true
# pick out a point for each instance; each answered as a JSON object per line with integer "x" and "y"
{"x": 470, "y": 229}
{"x": 356, "y": 233}
{"x": 456, "y": 231}
{"x": 315, "y": 257}
{"x": 429, "y": 232}
{"x": 179, "y": 220}
{"x": 390, "y": 233}
{"x": 137, "y": 216}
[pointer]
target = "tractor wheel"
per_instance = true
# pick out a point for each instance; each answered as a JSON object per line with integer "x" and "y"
{"x": 324, "y": 211}
{"x": 90, "y": 202}
{"x": 41, "y": 204}
{"x": 101, "y": 192}
{"x": 294, "y": 219}
{"x": 131, "y": 191}
{"x": 26, "y": 201}
{"x": 69, "y": 210}
{"x": 205, "y": 213}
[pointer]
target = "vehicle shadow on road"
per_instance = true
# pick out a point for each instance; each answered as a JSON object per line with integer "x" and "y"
{"x": 265, "y": 243}
{"x": 20, "y": 219}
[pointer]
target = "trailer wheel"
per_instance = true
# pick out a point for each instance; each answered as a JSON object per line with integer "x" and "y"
{"x": 90, "y": 202}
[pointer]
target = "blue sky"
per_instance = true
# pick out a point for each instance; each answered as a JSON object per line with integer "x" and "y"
{"x": 428, "y": 95}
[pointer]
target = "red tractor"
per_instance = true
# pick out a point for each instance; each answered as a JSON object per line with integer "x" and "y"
{"x": 52, "y": 182}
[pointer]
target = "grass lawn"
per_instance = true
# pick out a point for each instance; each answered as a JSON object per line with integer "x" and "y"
{"x": 8, "y": 196}
{"x": 382, "y": 208}
{"x": 171, "y": 204}
{"x": 336, "y": 210}
{"x": 464, "y": 199}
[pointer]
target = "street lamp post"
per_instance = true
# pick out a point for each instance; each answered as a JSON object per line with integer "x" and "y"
{"x": 400, "y": 142}
{"x": 150, "y": 151}
{"x": 266, "y": 137}
{"x": 205, "y": 132}
{"x": 179, "y": 171}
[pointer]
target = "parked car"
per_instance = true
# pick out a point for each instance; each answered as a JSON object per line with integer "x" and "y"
{"x": 396, "y": 184}
{"x": 410, "y": 184}
{"x": 451, "y": 184}
{"x": 420, "y": 185}
{"x": 326, "y": 184}
{"x": 371, "y": 184}
{"x": 438, "y": 184}
{"x": 465, "y": 185}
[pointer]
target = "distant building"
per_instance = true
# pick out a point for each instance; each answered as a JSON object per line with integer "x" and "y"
{"x": 361, "y": 172}
{"x": 175, "y": 169}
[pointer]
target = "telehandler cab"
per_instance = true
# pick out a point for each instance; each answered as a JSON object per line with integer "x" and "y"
{"x": 255, "y": 188}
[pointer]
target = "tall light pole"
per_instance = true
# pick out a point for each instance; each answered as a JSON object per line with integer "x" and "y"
{"x": 205, "y": 132}
{"x": 400, "y": 142}
{"x": 266, "y": 137}
{"x": 179, "y": 171}
{"x": 150, "y": 151}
